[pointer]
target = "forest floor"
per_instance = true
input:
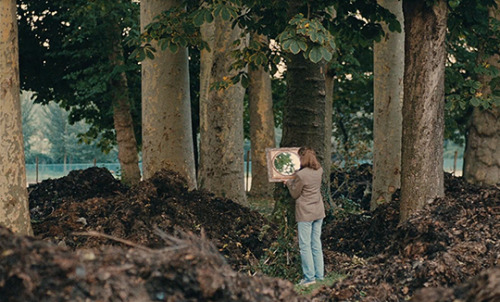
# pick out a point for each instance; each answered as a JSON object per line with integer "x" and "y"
{"x": 96, "y": 240}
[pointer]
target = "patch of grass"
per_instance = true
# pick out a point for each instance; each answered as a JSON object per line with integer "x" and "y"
{"x": 330, "y": 279}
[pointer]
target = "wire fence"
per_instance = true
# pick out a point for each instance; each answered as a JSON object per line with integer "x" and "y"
{"x": 36, "y": 173}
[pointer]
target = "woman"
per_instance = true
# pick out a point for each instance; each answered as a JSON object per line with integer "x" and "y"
{"x": 305, "y": 188}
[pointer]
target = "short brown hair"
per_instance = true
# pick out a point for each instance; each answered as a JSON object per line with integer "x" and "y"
{"x": 308, "y": 158}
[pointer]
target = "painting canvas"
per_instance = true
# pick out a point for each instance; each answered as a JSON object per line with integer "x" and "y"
{"x": 282, "y": 163}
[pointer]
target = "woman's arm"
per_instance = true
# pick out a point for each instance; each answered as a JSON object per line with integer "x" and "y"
{"x": 295, "y": 186}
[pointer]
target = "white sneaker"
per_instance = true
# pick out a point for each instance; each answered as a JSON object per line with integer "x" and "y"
{"x": 304, "y": 282}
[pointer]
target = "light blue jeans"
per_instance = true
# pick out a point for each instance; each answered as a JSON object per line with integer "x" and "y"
{"x": 311, "y": 253}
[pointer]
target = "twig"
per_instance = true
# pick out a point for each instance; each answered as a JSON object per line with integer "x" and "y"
{"x": 124, "y": 241}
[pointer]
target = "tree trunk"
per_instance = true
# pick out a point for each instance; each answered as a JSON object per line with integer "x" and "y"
{"x": 221, "y": 169}
{"x": 166, "y": 106}
{"x": 14, "y": 207}
{"x": 327, "y": 164}
{"x": 261, "y": 128}
{"x": 124, "y": 127}
{"x": 422, "y": 174}
{"x": 388, "y": 63}
{"x": 305, "y": 106}
{"x": 482, "y": 154}
{"x": 303, "y": 120}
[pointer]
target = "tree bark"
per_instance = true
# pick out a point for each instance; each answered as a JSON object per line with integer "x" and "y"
{"x": 327, "y": 164}
{"x": 388, "y": 63}
{"x": 166, "y": 106}
{"x": 305, "y": 106}
{"x": 261, "y": 128}
{"x": 221, "y": 168}
{"x": 422, "y": 176}
{"x": 14, "y": 207}
{"x": 303, "y": 121}
{"x": 122, "y": 117}
{"x": 482, "y": 153}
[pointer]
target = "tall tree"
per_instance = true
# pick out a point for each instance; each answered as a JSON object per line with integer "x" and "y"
{"x": 221, "y": 169}
{"x": 482, "y": 153}
{"x": 75, "y": 54}
{"x": 166, "y": 108}
{"x": 14, "y": 211}
{"x": 28, "y": 123}
{"x": 304, "y": 110}
{"x": 422, "y": 176}
{"x": 388, "y": 65}
{"x": 261, "y": 124}
{"x": 122, "y": 116}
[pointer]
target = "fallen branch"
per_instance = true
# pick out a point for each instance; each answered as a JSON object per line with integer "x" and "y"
{"x": 124, "y": 241}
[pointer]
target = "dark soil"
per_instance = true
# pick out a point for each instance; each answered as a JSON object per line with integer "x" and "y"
{"x": 449, "y": 241}
{"x": 163, "y": 201}
{"x": 189, "y": 269}
{"x": 448, "y": 251}
{"x": 351, "y": 187}
{"x": 484, "y": 287}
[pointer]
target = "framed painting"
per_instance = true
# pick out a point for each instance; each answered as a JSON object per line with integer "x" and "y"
{"x": 282, "y": 163}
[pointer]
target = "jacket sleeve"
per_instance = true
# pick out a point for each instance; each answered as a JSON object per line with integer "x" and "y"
{"x": 295, "y": 187}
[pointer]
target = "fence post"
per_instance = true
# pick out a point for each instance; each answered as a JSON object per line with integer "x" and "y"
{"x": 36, "y": 169}
{"x": 455, "y": 162}
{"x": 247, "y": 186}
{"x": 95, "y": 162}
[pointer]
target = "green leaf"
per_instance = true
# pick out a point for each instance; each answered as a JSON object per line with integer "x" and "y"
{"x": 183, "y": 42}
{"x": 302, "y": 45}
{"x": 235, "y": 79}
{"x": 141, "y": 55}
{"x": 208, "y": 16}
{"x": 218, "y": 9}
{"x": 332, "y": 43}
{"x": 327, "y": 55}
{"x": 199, "y": 17}
{"x": 395, "y": 26}
{"x": 286, "y": 44}
{"x": 294, "y": 47}
{"x": 225, "y": 14}
{"x": 173, "y": 47}
{"x": 475, "y": 101}
{"x": 314, "y": 36}
{"x": 260, "y": 59}
{"x": 163, "y": 43}
{"x": 276, "y": 60}
{"x": 244, "y": 81}
{"x": 150, "y": 54}
{"x": 315, "y": 54}
{"x": 454, "y": 3}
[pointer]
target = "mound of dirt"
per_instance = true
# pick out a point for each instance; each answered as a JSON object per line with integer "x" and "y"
{"x": 163, "y": 201}
{"x": 187, "y": 269}
{"x": 484, "y": 287}
{"x": 352, "y": 186}
{"x": 449, "y": 241}
{"x": 78, "y": 185}
{"x": 363, "y": 235}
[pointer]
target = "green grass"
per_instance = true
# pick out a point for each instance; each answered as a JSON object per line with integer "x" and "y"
{"x": 329, "y": 280}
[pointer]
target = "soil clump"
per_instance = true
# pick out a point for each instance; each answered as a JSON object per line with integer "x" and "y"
{"x": 451, "y": 240}
{"x": 186, "y": 269}
{"x": 163, "y": 201}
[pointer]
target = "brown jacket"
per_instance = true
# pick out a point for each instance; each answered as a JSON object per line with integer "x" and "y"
{"x": 305, "y": 188}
